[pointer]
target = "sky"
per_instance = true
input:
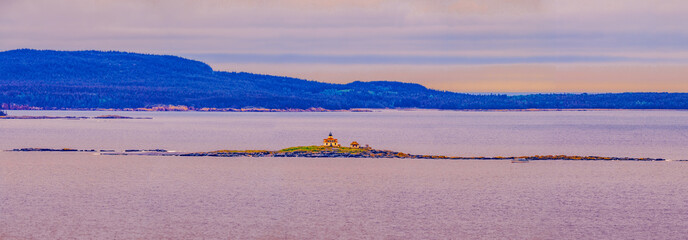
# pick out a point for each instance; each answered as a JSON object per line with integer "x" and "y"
{"x": 453, "y": 45}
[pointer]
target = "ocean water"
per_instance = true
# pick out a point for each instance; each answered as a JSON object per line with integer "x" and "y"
{"x": 79, "y": 195}
{"x": 70, "y": 195}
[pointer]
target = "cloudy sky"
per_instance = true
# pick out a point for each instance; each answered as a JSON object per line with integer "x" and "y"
{"x": 456, "y": 45}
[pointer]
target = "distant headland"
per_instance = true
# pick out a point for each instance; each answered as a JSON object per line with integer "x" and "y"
{"x": 98, "y": 80}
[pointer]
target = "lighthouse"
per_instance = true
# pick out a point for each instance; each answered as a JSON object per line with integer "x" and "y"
{"x": 330, "y": 141}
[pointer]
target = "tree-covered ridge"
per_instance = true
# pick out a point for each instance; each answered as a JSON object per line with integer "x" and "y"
{"x": 96, "y": 79}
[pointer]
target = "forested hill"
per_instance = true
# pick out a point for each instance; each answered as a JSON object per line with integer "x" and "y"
{"x": 95, "y": 79}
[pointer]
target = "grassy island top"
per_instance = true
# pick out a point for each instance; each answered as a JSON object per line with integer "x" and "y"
{"x": 303, "y": 149}
{"x": 324, "y": 149}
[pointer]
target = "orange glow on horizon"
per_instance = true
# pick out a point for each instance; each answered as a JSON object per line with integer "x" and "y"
{"x": 494, "y": 78}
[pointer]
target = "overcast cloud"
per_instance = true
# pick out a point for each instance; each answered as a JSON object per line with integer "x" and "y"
{"x": 512, "y": 37}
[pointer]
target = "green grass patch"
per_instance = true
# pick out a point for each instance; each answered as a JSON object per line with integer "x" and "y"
{"x": 352, "y": 150}
{"x": 307, "y": 149}
{"x": 323, "y": 149}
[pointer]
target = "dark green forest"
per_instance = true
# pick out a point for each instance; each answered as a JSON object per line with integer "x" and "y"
{"x": 96, "y": 79}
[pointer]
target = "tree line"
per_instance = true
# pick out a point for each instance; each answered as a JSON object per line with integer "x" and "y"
{"x": 94, "y": 79}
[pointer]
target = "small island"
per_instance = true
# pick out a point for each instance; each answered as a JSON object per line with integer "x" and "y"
{"x": 331, "y": 149}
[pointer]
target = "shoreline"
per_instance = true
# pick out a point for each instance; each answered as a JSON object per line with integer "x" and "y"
{"x": 330, "y": 152}
{"x": 181, "y": 108}
{"x": 73, "y": 117}
{"x": 315, "y": 109}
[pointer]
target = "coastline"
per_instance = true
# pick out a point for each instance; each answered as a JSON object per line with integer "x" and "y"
{"x": 172, "y": 108}
{"x": 182, "y": 108}
{"x": 73, "y": 117}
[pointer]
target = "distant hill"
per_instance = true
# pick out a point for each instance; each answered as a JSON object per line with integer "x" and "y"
{"x": 96, "y": 79}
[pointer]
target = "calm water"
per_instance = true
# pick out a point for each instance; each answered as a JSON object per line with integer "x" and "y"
{"x": 80, "y": 195}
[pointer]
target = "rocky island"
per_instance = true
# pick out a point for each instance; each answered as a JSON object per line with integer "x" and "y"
{"x": 329, "y": 149}
{"x": 328, "y": 152}
{"x": 349, "y": 152}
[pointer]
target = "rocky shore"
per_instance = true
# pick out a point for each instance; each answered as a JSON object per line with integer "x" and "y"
{"x": 329, "y": 152}
{"x": 73, "y": 117}
{"x": 43, "y": 117}
{"x": 56, "y": 150}
{"x": 183, "y": 108}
